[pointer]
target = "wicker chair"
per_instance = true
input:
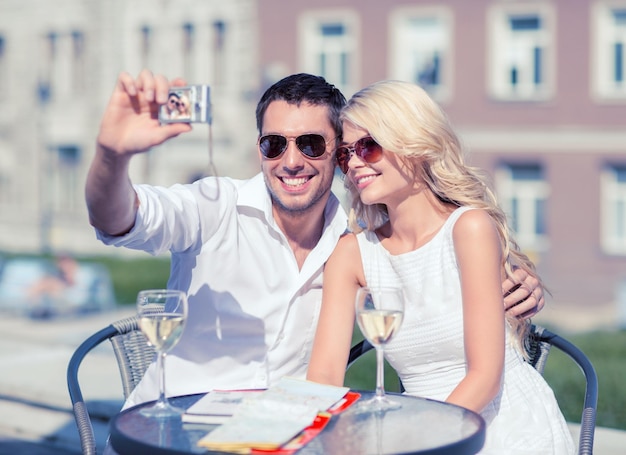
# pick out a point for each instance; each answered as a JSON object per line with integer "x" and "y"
{"x": 133, "y": 356}
{"x": 539, "y": 342}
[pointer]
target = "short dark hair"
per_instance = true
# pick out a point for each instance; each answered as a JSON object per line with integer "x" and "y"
{"x": 304, "y": 88}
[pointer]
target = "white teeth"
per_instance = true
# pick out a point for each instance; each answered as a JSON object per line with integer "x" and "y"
{"x": 294, "y": 181}
{"x": 365, "y": 179}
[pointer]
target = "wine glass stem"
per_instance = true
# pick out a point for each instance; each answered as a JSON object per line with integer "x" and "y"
{"x": 380, "y": 373}
{"x": 161, "y": 368}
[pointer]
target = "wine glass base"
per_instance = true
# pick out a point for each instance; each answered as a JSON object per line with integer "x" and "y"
{"x": 376, "y": 403}
{"x": 162, "y": 411}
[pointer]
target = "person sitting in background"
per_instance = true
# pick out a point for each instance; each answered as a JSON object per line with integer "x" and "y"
{"x": 52, "y": 286}
{"x": 425, "y": 221}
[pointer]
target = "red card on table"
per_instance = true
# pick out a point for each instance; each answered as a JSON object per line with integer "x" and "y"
{"x": 308, "y": 434}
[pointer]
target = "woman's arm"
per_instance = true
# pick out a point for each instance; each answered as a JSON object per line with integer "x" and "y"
{"x": 479, "y": 257}
{"x": 343, "y": 274}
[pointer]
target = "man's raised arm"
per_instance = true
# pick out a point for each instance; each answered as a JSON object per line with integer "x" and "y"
{"x": 129, "y": 126}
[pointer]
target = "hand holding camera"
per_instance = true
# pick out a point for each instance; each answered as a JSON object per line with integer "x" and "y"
{"x": 131, "y": 125}
{"x": 148, "y": 110}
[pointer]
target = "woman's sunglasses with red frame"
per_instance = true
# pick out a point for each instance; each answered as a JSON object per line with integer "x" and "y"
{"x": 365, "y": 148}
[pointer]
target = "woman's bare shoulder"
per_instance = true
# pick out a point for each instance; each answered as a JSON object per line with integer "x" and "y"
{"x": 347, "y": 244}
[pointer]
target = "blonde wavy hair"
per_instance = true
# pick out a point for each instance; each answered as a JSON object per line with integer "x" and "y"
{"x": 403, "y": 119}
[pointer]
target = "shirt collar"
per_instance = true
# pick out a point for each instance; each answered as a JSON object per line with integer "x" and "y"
{"x": 253, "y": 194}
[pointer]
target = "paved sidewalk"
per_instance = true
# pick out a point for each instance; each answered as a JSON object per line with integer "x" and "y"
{"x": 36, "y": 415}
{"x": 35, "y": 409}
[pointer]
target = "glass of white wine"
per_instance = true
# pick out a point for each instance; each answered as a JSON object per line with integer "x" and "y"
{"x": 162, "y": 316}
{"x": 379, "y": 314}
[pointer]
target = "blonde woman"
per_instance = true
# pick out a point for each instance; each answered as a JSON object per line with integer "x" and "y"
{"x": 425, "y": 220}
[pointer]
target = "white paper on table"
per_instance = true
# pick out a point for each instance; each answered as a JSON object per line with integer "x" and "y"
{"x": 277, "y": 415}
{"x": 218, "y": 405}
{"x": 263, "y": 422}
{"x": 319, "y": 396}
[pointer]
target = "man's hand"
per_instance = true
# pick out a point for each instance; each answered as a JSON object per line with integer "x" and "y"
{"x": 130, "y": 123}
{"x": 524, "y": 298}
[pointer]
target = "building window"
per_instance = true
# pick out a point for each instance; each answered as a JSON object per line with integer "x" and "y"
{"x": 4, "y": 70}
{"x": 8, "y": 177}
{"x": 523, "y": 192}
{"x": 62, "y": 66}
{"x": 5, "y": 189}
{"x": 78, "y": 61}
{"x": 609, "y": 51}
{"x": 420, "y": 48}
{"x": 521, "y": 55}
{"x": 145, "y": 46}
{"x": 48, "y": 67}
{"x": 219, "y": 52}
{"x": 328, "y": 48}
{"x": 188, "y": 49}
{"x": 65, "y": 181}
{"x": 613, "y": 207}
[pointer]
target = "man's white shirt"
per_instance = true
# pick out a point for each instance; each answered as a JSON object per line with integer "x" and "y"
{"x": 252, "y": 312}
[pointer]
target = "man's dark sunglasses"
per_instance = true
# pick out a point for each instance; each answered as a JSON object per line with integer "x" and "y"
{"x": 311, "y": 145}
{"x": 365, "y": 148}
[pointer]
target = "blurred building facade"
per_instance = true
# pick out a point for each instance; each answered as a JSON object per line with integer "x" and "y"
{"x": 58, "y": 66}
{"x": 535, "y": 89}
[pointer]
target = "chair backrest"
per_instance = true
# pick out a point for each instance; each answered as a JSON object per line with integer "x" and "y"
{"x": 133, "y": 356}
{"x": 538, "y": 345}
{"x": 537, "y": 349}
{"x": 132, "y": 352}
{"x": 357, "y": 351}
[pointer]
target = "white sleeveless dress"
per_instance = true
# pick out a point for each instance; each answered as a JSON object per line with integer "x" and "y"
{"x": 428, "y": 351}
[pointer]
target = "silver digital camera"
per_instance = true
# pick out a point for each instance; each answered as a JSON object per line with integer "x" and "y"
{"x": 190, "y": 104}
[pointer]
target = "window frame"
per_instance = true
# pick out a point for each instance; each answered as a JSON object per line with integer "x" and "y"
{"x": 79, "y": 61}
{"x": 4, "y": 67}
{"x": 603, "y": 87}
{"x": 145, "y": 36}
{"x": 311, "y": 45}
{"x": 188, "y": 37}
{"x": 509, "y": 189}
{"x": 498, "y": 17}
{"x": 398, "y": 25}
{"x": 612, "y": 192}
{"x": 64, "y": 182}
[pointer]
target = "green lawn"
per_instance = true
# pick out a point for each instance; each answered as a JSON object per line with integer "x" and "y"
{"x": 130, "y": 276}
{"x": 607, "y": 350}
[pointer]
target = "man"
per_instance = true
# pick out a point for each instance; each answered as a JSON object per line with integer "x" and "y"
{"x": 249, "y": 253}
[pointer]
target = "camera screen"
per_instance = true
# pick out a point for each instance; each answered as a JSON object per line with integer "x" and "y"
{"x": 178, "y": 106}
{"x": 189, "y": 104}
